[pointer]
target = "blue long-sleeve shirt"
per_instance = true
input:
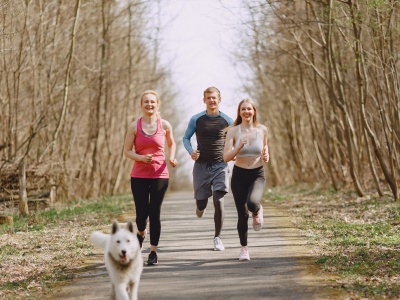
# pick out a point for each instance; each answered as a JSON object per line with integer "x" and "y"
{"x": 209, "y": 134}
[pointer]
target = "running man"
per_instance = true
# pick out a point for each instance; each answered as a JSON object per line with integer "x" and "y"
{"x": 210, "y": 172}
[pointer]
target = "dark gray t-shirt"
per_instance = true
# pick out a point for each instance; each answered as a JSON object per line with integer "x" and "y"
{"x": 210, "y": 136}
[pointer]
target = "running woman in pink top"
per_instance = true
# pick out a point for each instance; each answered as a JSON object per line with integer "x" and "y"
{"x": 144, "y": 144}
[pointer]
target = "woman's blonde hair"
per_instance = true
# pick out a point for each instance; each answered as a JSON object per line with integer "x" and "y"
{"x": 152, "y": 92}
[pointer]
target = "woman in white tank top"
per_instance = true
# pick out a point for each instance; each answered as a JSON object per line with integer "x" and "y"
{"x": 246, "y": 144}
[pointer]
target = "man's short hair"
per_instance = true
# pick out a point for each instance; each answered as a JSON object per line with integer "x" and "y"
{"x": 212, "y": 89}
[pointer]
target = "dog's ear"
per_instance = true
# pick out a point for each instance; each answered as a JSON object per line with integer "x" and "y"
{"x": 129, "y": 226}
{"x": 114, "y": 227}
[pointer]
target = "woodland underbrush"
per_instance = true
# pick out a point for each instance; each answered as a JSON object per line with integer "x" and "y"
{"x": 357, "y": 239}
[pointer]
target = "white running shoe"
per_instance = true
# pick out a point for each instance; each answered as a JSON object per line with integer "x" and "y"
{"x": 200, "y": 213}
{"x": 244, "y": 253}
{"x": 258, "y": 220}
{"x": 218, "y": 246}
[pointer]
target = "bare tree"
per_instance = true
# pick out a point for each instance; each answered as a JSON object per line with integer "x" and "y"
{"x": 70, "y": 82}
{"x": 327, "y": 74}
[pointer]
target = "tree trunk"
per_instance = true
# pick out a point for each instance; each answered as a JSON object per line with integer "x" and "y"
{"x": 23, "y": 196}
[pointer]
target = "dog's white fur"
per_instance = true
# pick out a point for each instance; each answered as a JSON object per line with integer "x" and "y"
{"x": 123, "y": 259}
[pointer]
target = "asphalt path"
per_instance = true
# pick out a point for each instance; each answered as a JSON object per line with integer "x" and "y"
{"x": 281, "y": 264}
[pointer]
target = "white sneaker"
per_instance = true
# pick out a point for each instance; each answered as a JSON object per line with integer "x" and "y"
{"x": 200, "y": 213}
{"x": 244, "y": 253}
{"x": 218, "y": 246}
{"x": 258, "y": 220}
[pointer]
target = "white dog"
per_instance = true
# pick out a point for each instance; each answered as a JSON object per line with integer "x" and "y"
{"x": 123, "y": 259}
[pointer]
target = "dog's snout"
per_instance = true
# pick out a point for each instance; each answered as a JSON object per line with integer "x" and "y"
{"x": 123, "y": 252}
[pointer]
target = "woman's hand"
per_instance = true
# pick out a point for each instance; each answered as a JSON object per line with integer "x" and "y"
{"x": 147, "y": 158}
{"x": 173, "y": 162}
{"x": 265, "y": 154}
{"x": 242, "y": 142}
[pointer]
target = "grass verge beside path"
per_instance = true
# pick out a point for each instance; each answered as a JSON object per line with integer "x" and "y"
{"x": 50, "y": 246}
{"x": 357, "y": 239}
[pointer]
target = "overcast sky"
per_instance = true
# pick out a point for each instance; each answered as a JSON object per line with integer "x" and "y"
{"x": 198, "y": 37}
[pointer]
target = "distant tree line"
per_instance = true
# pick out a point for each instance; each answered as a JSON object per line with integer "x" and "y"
{"x": 326, "y": 76}
{"x": 71, "y": 73}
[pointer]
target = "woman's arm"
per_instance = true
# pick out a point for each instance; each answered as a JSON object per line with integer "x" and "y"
{"x": 170, "y": 143}
{"x": 230, "y": 151}
{"x": 265, "y": 152}
{"x": 129, "y": 146}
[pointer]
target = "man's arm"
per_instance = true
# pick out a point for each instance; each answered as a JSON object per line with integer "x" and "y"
{"x": 191, "y": 129}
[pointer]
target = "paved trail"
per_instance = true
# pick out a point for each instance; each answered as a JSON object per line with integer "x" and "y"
{"x": 280, "y": 267}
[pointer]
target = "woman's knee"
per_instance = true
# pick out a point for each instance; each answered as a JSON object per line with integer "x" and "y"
{"x": 141, "y": 223}
{"x": 243, "y": 217}
{"x": 253, "y": 206}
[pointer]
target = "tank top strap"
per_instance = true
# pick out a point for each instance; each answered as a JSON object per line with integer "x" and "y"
{"x": 159, "y": 125}
{"x": 139, "y": 125}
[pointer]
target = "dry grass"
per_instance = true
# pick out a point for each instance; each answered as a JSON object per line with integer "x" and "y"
{"x": 48, "y": 247}
{"x": 355, "y": 238}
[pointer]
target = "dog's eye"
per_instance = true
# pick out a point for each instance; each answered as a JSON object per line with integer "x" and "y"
{"x": 118, "y": 242}
{"x": 128, "y": 241}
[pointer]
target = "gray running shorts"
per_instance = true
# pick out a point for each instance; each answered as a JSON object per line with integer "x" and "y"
{"x": 209, "y": 177}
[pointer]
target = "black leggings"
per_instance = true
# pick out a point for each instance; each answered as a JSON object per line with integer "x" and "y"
{"x": 247, "y": 188}
{"x": 148, "y": 194}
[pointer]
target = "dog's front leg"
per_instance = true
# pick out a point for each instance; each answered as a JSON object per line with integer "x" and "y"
{"x": 133, "y": 290}
{"x": 121, "y": 292}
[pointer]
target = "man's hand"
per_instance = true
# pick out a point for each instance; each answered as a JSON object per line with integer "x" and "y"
{"x": 195, "y": 154}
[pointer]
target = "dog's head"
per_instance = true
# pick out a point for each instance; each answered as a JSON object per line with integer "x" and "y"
{"x": 124, "y": 244}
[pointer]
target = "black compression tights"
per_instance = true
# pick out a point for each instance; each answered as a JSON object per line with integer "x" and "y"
{"x": 148, "y": 194}
{"x": 219, "y": 214}
{"x": 247, "y": 190}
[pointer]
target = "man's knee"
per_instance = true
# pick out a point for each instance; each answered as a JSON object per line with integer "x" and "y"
{"x": 201, "y": 204}
{"x": 218, "y": 199}
{"x": 218, "y": 195}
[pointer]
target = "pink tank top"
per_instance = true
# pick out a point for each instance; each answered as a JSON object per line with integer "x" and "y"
{"x": 150, "y": 144}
